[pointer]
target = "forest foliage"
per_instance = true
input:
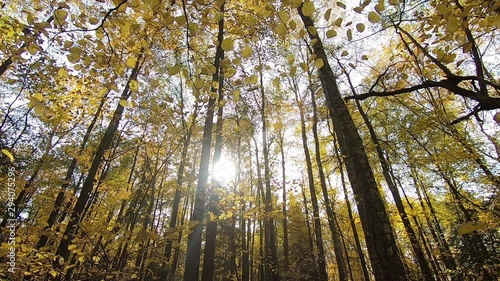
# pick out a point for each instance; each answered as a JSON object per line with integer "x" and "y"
{"x": 250, "y": 140}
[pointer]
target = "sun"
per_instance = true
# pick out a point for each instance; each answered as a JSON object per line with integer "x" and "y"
{"x": 224, "y": 171}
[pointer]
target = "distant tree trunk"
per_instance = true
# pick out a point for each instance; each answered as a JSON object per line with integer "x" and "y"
{"x": 193, "y": 254}
{"x": 321, "y": 259}
{"x": 380, "y": 240}
{"x": 309, "y": 233}
{"x": 88, "y": 184}
{"x": 245, "y": 255}
{"x": 286, "y": 250}
{"x": 271, "y": 251}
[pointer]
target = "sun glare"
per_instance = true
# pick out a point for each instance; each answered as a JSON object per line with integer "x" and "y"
{"x": 224, "y": 171}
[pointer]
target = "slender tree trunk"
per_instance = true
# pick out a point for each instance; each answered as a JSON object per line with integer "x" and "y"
{"x": 286, "y": 250}
{"x": 271, "y": 251}
{"x": 309, "y": 233}
{"x": 380, "y": 239}
{"x": 192, "y": 266}
{"x": 211, "y": 233}
{"x": 320, "y": 251}
{"x": 337, "y": 243}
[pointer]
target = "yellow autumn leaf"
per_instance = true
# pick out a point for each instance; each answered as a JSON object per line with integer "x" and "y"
{"x": 319, "y": 63}
{"x": 327, "y": 15}
{"x": 373, "y": 17}
{"x": 349, "y": 34}
{"x": 281, "y": 29}
{"x": 331, "y": 33}
{"x": 8, "y": 154}
{"x": 62, "y": 73}
{"x": 173, "y": 70}
{"x": 30, "y": 19}
{"x": 308, "y": 8}
{"x": 293, "y": 71}
{"x": 341, "y": 5}
{"x": 360, "y": 27}
{"x": 130, "y": 62}
{"x": 312, "y": 30}
{"x": 292, "y": 24}
{"x": 246, "y": 52}
{"x": 344, "y": 53}
{"x": 227, "y": 44}
{"x": 452, "y": 24}
{"x": 134, "y": 85}
{"x": 60, "y": 15}
{"x": 123, "y": 103}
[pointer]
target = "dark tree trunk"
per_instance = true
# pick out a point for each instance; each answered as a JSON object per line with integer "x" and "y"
{"x": 380, "y": 240}
{"x": 88, "y": 184}
{"x": 193, "y": 254}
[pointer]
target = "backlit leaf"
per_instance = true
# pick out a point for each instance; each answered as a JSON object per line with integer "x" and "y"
{"x": 470, "y": 227}
{"x": 331, "y": 33}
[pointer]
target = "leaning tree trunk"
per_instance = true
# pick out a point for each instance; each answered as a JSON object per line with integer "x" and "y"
{"x": 88, "y": 184}
{"x": 380, "y": 240}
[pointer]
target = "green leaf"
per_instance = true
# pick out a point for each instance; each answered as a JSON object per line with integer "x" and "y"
{"x": 8, "y": 154}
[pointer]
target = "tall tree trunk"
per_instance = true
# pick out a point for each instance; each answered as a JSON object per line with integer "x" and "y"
{"x": 337, "y": 243}
{"x": 320, "y": 250}
{"x": 380, "y": 239}
{"x": 271, "y": 251}
{"x": 286, "y": 250}
{"x": 211, "y": 233}
{"x": 193, "y": 254}
{"x": 359, "y": 249}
